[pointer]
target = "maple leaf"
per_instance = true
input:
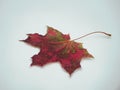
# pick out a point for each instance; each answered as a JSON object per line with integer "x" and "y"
{"x": 57, "y": 47}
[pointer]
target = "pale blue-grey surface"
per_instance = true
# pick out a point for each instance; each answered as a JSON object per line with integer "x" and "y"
{"x": 76, "y": 17}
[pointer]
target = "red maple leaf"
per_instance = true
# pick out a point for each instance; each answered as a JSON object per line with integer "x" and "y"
{"x": 57, "y": 47}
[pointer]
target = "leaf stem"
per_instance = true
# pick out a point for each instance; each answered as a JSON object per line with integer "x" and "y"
{"x": 67, "y": 41}
{"x": 93, "y": 33}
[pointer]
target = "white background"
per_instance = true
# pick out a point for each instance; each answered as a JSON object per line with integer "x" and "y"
{"x": 76, "y": 17}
